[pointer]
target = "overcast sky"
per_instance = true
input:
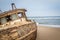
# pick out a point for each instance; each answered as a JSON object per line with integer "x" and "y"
{"x": 34, "y": 7}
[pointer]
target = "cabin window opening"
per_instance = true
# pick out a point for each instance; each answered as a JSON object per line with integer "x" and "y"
{"x": 8, "y": 18}
{"x": 14, "y": 17}
{"x": 19, "y": 14}
{"x": 3, "y": 20}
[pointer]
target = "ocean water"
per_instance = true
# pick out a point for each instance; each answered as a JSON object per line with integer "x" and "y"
{"x": 51, "y": 20}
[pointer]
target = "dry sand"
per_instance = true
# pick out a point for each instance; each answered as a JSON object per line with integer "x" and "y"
{"x": 48, "y": 33}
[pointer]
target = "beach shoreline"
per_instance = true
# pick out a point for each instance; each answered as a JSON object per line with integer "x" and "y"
{"x": 48, "y": 32}
{"x": 48, "y": 25}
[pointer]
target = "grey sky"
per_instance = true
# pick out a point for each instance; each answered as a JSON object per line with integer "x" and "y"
{"x": 34, "y": 7}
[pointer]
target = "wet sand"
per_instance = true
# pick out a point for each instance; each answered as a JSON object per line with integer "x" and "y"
{"x": 48, "y": 33}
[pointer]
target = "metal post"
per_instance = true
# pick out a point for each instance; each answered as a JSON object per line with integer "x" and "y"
{"x": 13, "y": 6}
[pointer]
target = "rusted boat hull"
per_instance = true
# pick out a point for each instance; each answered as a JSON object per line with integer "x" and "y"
{"x": 23, "y": 32}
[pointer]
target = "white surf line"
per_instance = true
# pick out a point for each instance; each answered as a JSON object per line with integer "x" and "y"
{"x": 47, "y": 25}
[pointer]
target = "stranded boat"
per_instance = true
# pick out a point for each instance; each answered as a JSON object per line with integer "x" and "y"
{"x": 14, "y": 25}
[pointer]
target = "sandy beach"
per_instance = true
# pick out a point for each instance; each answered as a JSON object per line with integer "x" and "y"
{"x": 48, "y": 33}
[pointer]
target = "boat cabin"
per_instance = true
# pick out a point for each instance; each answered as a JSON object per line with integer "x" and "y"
{"x": 12, "y": 15}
